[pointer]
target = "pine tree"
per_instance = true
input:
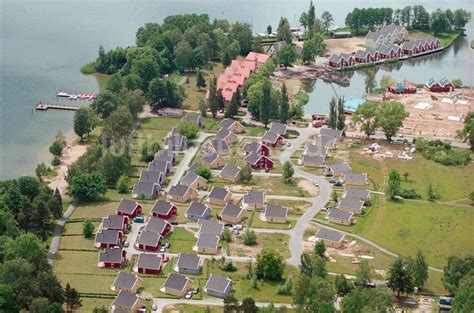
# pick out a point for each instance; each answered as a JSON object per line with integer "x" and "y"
{"x": 332, "y": 120}
{"x": 420, "y": 270}
{"x": 72, "y": 299}
{"x": 232, "y": 108}
{"x": 341, "y": 117}
{"x": 284, "y": 105}
{"x": 213, "y": 94}
{"x": 320, "y": 248}
{"x": 265, "y": 104}
{"x": 200, "y": 81}
{"x": 58, "y": 196}
{"x": 203, "y": 107}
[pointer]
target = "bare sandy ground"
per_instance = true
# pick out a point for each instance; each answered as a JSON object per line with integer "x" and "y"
{"x": 71, "y": 155}
{"x": 346, "y": 45}
{"x": 309, "y": 187}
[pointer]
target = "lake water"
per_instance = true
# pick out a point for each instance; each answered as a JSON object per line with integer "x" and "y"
{"x": 43, "y": 44}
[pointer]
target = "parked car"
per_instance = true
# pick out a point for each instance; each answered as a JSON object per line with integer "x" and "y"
{"x": 332, "y": 181}
{"x": 139, "y": 219}
{"x": 154, "y": 307}
{"x": 228, "y": 225}
{"x": 126, "y": 244}
{"x": 188, "y": 294}
{"x": 236, "y": 232}
{"x": 174, "y": 222}
{"x": 238, "y": 226}
{"x": 196, "y": 291}
{"x": 316, "y": 184}
{"x": 338, "y": 184}
{"x": 288, "y": 144}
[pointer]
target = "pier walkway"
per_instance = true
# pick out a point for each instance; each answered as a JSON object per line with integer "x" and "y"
{"x": 45, "y": 106}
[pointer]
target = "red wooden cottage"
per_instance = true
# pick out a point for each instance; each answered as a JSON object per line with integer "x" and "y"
{"x": 112, "y": 258}
{"x": 257, "y": 161}
{"x": 271, "y": 139}
{"x": 335, "y": 61}
{"x": 108, "y": 238}
{"x": 347, "y": 59}
{"x": 256, "y": 147}
{"x": 148, "y": 241}
{"x": 164, "y": 209}
{"x": 117, "y": 222}
{"x": 129, "y": 208}
{"x": 158, "y": 225}
{"x": 402, "y": 88}
{"x": 443, "y": 85}
{"x": 391, "y": 51}
{"x": 149, "y": 264}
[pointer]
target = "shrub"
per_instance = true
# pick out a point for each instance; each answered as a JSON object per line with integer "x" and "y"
{"x": 409, "y": 193}
{"x": 56, "y": 161}
{"x": 204, "y": 172}
{"x": 287, "y": 288}
{"x": 87, "y": 229}
{"x": 226, "y": 235}
{"x": 188, "y": 129}
{"x": 122, "y": 184}
{"x": 250, "y": 238}
{"x": 148, "y": 150}
{"x": 441, "y": 152}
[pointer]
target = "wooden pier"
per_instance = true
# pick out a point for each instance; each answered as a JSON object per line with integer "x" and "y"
{"x": 45, "y": 106}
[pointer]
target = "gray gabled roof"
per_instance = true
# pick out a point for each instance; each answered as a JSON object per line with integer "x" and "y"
{"x": 230, "y": 170}
{"x": 253, "y": 157}
{"x": 149, "y": 261}
{"x": 335, "y": 58}
{"x": 278, "y": 128}
{"x": 196, "y": 208}
{"x": 315, "y": 149}
{"x": 328, "y": 132}
{"x": 176, "y": 281}
{"x": 340, "y": 167}
{"x": 357, "y": 193}
{"x": 218, "y": 283}
{"x": 111, "y": 255}
{"x": 189, "y": 261}
{"x": 149, "y": 238}
{"x": 222, "y": 133}
{"x": 158, "y": 166}
{"x": 270, "y": 136}
{"x": 325, "y": 141}
{"x": 156, "y": 224}
{"x": 125, "y": 281}
{"x": 313, "y": 159}
{"x": 340, "y": 215}
{"x": 178, "y": 190}
{"x": 194, "y": 167}
{"x": 275, "y": 210}
{"x": 252, "y": 147}
{"x": 125, "y": 300}
{"x": 410, "y": 45}
{"x": 189, "y": 178}
{"x": 219, "y": 193}
{"x": 231, "y": 209}
{"x": 108, "y": 236}
{"x": 226, "y": 123}
{"x": 350, "y": 204}
{"x": 208, "y": 241}
{"x": 146, "y": 188}
{"x": 329, "y": 234}
{"x": 210, "y": 227}
{"x": 219, "y": 145}
{"x": 373, "y": 35}
{"x": 210, "y": 158}
{"x": 192, "y": 118}
{"x": 164, "y": 155}
{"x": 385, "y": 49}
{"x": 254, "y": 197}
{"x": 113, "y": 222}
{"x": 362, "y": 54}
{"x": 127, "y": 206}
{"x": 151, "y": 177}
{"x": 162, "y": 207}
{"x": 351, "y": 176}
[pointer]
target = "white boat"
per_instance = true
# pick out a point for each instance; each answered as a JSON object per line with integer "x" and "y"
{"x": 62, "y": 94}
{"x": 74, "y": 97}
{"x": 71, "y": 97}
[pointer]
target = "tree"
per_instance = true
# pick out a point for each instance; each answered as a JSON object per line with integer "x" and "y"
{"x": 405, "y": 16}
{"x": 406, "y": 174}
{"x": 370, "y": 82}
{"x": 288, "y": 171}
{"x": 342, "y": 285}
{"x": 164, "y": 93}
{"x": 471, "y": 197}
{"x": 431, "y": 193}
{"x": 320, "y": 248}
{"x": 115, "y": 163}
{"x": 105, "y": 103}
{"x": 122, "y": 185}
{"x": 56, "y": 148}
{"x": 88, "y": 186}
{"x": 420, "y": 270}
{"x": 232, "y": 109}
{"x": 332, "y": 119}
{"x": 269, "y": 30}
{"x": 242, "y": 33}
{"x": 250, "y": 238}
{"x": 40, "y": 217}
{"x": 200, "y": 80}
{"x": 8, "y": 302}
{"x": 204, "y": 172}
{"x": 226, "y": 235}
{"x": 266, "y": 103}
{"x": 148, "y": 150}
{"x": 457, "y": 268}
{"x": 87, "y": 228}
{"x": 203, "y": 107}
{"x": 467, "y": 133}
{"x": 313, "y": 265}
{"x": 341, "y": 116}
{"x": 188, "y": 129}
{"x": 363, "y": 274}
{"x": 286, "y": 56}
{"x": 270, "y": 265}
{"x": 464, "y": 298}
{"x": 360, "y": 300}
{"x": 304, "y": 20}
{"x": 366, "y": 114}
{"x": 183, "y": 55}
{"x": 245, "y": 174}
{"x": 394, "y": 182}
{"x": 134, "y": 100}
{"x": 72, "y": 299}
{"x": 386, "y": 81}
{"x": 118, "y": 124}
{"x": 399, "y": 277}
{"x": 327, "y": 20}
{"x": 457, "y": 83}
{"x": 231, "y": 304}
{"x": 84, "y": 122}
{"x": 100, "y": 309}
{"x": 311, "y": 14}
{"x": 390, "y": 117}
{"x": 461, "y": 18}
{"x": 313, "y": 47}
{"x": 248, "y": 304}
{"x": 213, "y": 94}
{"x": 439, "y": 22}
{"x": 283, "y": 31}
{"x": 284, "y": 105}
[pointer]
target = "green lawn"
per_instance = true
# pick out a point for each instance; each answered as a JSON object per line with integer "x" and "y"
{"x": 86, "y": 283}
{"x": 81, "y": 262}
{"x": 211, "y": 125}
{"x": 181, "y": 240}
{"x": 258, "y": 223}
{"x": 88, "y": 304}
{"x": 405, "y": 227}
{"x": 295, "y": 208}
{"x": 77, "y": 242}
{"x": 253, "y": 131}
{"x": 76, "y": 228}
{"x": 94, "y": 210}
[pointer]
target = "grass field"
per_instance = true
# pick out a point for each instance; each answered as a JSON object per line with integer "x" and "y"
{"x": 77, "y": 242}
{"x": 88, "y": 304}
{"x": 181, "y": 240}
{"x": 95, "y": 210}
{"x": 80, "y": 262}
{"x": 76, "y": 228}
{"x": 258, "y": 223}
{"x": 89, "y": 283}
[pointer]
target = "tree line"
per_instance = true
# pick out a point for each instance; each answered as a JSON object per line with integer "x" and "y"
{"x": 363, "y": 20}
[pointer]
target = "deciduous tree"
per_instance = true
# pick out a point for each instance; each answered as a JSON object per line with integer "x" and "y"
{"x": 270, "y": 265}
{"x": 84, "y": 122}
{"x": 399, "y": 277}
{"x": 365, "y": 115}
{"x": 390, "y": 117}
{"x": 286, "y": 56}
{"x": 87, "y": 228}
